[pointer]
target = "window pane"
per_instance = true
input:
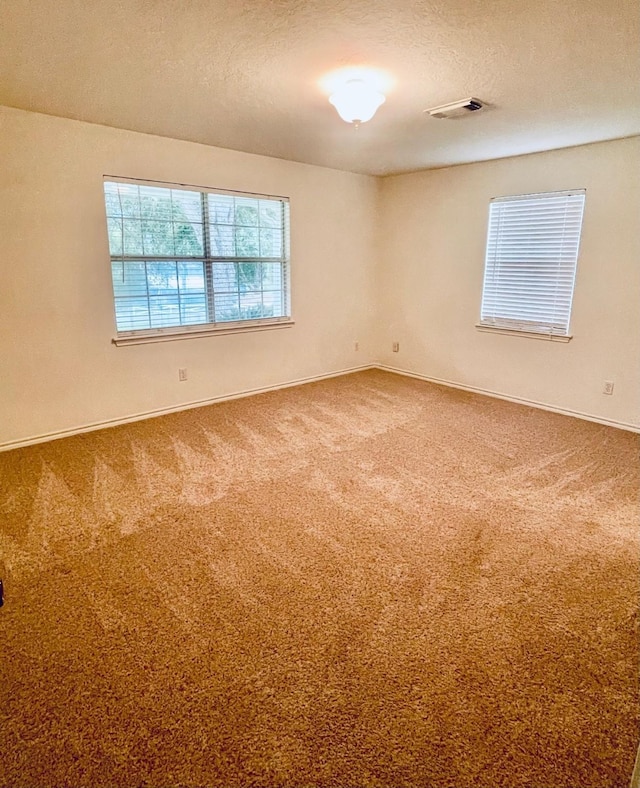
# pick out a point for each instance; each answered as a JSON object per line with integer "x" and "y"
{"x": 222, "y": 240}
{"x": 188, "y": 239}
{"x": 247, "y": 242}
{"x": 191, "y": 277}
{"x": 193, "y": 309}
{"x": 247, "y": 212}
{"x": 249, "y": 276}
{"x": 187, "y": 206}
{"x": 270, "y": 243}
{"x": 225, "y": 277}
{"x": 270, "y": 213}
{"x": 162, "y": 278}
{"x": 273, "y": 303}
{"x": 272, "y": 276}
{"x": 227, "y": 306}
{"x": 155, "y": 203}
{"x": 129, "y": 279}
{"x": 165, "y": 311}
{"x": 251, "y": 305}
{"x": 132, "y": 314}
{"x": 157, "y": 238}
{"x": 112, "y": 200}
{"x": 122, "y": 199}
{"x": 132, "y": 237}
{"x": 221, "y": 209}
{"x": 114, "y": 229}
{"x": 187, "y": 223}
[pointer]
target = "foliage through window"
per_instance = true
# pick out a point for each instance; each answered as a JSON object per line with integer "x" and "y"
{"x": 532, "y": 252}
{"x": 184, "y": 260}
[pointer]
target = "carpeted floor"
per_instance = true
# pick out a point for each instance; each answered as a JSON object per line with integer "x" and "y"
{"x": 368, "y": 581}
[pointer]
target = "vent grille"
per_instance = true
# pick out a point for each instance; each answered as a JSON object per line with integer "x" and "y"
{"x": 456, "y": 109}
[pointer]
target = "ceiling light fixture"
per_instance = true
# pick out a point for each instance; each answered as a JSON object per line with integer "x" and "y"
{"x": 356, "y": 101}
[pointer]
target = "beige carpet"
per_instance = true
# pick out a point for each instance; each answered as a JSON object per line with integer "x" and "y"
{"x": 369, "y": 581}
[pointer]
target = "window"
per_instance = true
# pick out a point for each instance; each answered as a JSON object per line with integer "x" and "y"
{"x": 187, "y": 261}
{"x": 530, "y": 266}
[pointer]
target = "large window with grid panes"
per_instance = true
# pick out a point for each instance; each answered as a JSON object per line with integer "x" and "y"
{"x": 188, "y": 260}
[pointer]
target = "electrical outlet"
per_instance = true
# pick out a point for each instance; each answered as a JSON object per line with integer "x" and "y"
{"x": 608, "y": 387}
{"x": 182, "y": 373}
{"x": 396, "y": 347}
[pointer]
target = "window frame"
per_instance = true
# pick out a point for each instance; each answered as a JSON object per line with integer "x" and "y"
{"x": 497, "y": 257}
{"x": 196, "y": 330}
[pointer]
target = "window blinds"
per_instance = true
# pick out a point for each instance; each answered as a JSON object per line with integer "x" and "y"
{"x": 530, "y": 266}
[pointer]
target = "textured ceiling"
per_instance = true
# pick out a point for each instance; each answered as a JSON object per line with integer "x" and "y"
{"x": 244, "y": 75}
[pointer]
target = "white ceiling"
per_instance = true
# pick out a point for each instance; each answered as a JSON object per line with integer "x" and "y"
{"x": 244, "y": 74}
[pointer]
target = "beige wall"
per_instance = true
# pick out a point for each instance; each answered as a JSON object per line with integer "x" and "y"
{"x": 59, "y": 370}
{"x": 372, "y": 260}
{"x": 432, "y": 242}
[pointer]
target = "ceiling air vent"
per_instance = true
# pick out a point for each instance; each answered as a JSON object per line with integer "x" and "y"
{"x": 456, "y": 109}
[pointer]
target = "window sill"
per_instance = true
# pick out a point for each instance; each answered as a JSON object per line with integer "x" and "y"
{"x": 517, "y": 332}
{"x": 170, "y": 334}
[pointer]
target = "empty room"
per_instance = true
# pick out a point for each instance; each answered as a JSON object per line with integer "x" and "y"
{"x": 320, "y": 394}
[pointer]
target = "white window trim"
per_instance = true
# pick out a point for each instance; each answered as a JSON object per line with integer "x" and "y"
{"x": 180, "y": 332}
{"x": 522, "y": 332}
{"x": 197, "y": 332}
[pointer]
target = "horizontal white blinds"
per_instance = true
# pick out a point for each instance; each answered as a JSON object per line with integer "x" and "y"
{"x": 532, "y": 251}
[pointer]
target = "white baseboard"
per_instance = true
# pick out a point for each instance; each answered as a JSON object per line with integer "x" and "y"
{"x": 520, "y": 400}
{"x": 99, "y": 425}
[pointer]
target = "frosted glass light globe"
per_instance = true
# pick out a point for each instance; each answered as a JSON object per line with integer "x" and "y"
{"x": 356, "y": 102}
